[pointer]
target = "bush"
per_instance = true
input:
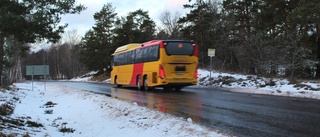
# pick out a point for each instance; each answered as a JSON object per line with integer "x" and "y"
{"x": 49, "y": 104}
{"x": 6, "y": 109}
{"x": 50, "y": 111}
{"x": 228, "y": 80}
{"x": 4, "y": 135}
{"x": 66, "y": 130}
{"x": 34, "y": 124}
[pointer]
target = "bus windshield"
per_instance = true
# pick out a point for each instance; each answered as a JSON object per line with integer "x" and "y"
{"x": 179, "y": 48}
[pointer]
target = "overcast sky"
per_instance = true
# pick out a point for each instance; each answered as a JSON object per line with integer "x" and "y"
{"x": 84, "y": 21}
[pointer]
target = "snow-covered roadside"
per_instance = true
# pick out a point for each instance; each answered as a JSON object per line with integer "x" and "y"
{"x": 64, "y": 111}
{"x": 247, "y": 84}
{"x": 258, "y": 85}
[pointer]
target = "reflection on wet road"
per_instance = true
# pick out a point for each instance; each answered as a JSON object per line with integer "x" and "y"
{"x": 236, "y": 113}
{"x": 177, "y": 103}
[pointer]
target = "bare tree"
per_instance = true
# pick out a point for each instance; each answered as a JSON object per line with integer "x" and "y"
{"x": 72, "y": 37}
{"x": 67, "y": 56}
{"x": 170, "y": 24}
{"x": 300, "y": 62}
{"x": 15, "y": 72}
{"x": 64, "y": 59}
{"x": 52, "y": 61}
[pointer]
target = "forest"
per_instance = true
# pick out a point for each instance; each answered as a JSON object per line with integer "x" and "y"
{"x": 271, "y": 38}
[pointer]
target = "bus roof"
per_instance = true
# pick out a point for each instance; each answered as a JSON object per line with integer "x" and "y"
{"x": 158, "y": 41}
{"x": 126, "y": 48}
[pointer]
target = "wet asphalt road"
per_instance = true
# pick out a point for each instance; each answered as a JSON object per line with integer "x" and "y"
{"x": 238, "y": 114}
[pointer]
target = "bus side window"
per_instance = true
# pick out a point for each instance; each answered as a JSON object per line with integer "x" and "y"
{"x": 115, "y": 60}
{"x": 131, "y": 57}
{"x": 155, "y": 53}
{"x": 122, "y": 57}
{"x": 146, "y": 53}
{"x": 151, "y": 52}
{"x": 126, "y": 58}
{"x": 138, "y": 57}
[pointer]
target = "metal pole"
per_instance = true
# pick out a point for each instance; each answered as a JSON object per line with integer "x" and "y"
{"x": 32, "y": 76}
{"x": 210, "y": 69}
{"x": 44, "y": 74}
{"x": 44, "y": 77}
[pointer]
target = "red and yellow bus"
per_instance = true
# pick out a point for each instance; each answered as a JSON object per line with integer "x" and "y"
{"x": 157, "y": 63}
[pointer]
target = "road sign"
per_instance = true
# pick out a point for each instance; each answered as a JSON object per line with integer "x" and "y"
{"x": 37, "y": 70}
{"x": 211, "y": 52}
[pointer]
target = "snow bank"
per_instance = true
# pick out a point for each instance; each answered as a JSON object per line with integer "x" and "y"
{"x": 258, "y": 85}
{"x": 64, "y": 111}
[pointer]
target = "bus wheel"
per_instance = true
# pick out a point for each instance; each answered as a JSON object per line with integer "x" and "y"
{"x": 139, "y": 83}
{"x": 145, "y": 83}
{"x": 116, "y": 81}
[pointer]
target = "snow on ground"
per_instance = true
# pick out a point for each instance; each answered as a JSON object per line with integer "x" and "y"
{"x": 85, "y": 77}
{"x": 259, "y": 85}
{"x": 63, "y": 111}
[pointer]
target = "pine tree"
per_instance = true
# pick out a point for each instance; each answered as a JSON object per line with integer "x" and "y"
{"x": 137, "y": 27}
{"x": 28, "y": 21}
{"x": 170, "y": 26}
{"x": 97, "y": 45}
{"x": 200, "y": 25}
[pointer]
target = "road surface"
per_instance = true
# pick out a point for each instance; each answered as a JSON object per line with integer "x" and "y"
{"x": 239, "y": 114}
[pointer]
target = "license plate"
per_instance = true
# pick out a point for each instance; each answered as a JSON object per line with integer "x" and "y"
{"x": 180, "y": 68}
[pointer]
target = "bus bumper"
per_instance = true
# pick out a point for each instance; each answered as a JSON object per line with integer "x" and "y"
{"x": 178, "y": 82}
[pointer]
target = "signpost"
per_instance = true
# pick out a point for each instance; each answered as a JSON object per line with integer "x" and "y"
{"x": 211, "y": 53}
{"x": 37, "y": 70}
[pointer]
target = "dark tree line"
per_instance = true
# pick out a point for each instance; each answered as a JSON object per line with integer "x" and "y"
{"x": 28, "y": 21}
{"x": 63, "y": 60}
{"x": 110, "y": 32}
{"x": 265, "y": 37}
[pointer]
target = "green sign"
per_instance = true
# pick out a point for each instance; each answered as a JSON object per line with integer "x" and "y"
{"x": 37, "y": 70}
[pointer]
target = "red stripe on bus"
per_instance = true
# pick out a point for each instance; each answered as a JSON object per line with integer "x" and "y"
{"x": 137, "y": 70}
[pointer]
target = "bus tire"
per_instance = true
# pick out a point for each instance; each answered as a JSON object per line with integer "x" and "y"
{"x": 140, "y": 87}
{"x": 145, "y": 83}
{"x": 116, "y": 81}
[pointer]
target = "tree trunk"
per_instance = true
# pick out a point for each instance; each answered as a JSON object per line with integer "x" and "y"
{"x": 15, "y": 71}
{"x": 1, "y": 57}
{"x": 318, "y": 52}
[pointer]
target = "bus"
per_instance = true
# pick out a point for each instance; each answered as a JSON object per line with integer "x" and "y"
{"x": 171, "y": 64}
